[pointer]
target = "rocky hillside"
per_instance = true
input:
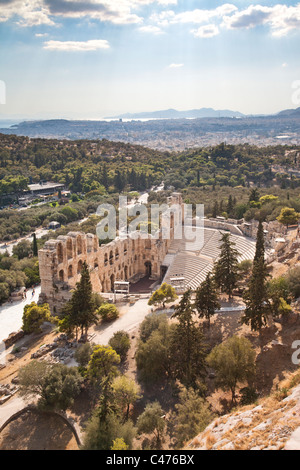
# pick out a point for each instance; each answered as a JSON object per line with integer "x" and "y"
{"x": 271, "y": 424}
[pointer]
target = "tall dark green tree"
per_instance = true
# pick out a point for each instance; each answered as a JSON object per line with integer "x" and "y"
{"x": 80, "y": 309}
{"x": 260, "y": 242}
{"x": 188, "y": 348}
{"x": 215, "y": 210}
{"x": 34, "y": 245}
{"x": 230, "y": 207}
{"x": 256, "y": 297}
{"x": 254, "y": 195}
{"x": 105, "y": 180}
{"x": 207, "y": 299}
{"x": 226, "y": 267}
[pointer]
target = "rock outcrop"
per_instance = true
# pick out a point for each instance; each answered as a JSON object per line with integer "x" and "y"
{"x": 273, "y": 424}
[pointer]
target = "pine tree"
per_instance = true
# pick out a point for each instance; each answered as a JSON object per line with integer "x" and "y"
{"x": 188, "y": 349}
{"x": 80, "y": 309}
{"x": 207, "y": 300}
{"x": 226, "y": 268}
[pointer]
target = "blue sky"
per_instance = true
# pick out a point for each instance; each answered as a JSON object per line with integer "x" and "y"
{"x": 90, "y": 59}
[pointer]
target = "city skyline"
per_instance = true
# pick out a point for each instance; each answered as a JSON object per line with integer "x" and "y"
{"x": 91, "y": 59}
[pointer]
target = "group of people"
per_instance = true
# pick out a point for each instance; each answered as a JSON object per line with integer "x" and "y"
{"x": 24, "y": 294}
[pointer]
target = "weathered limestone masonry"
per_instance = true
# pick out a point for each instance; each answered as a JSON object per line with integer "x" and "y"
{"x": 127, "y": 259}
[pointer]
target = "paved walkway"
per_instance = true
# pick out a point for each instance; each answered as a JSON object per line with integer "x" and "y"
{"x": 131, "y": 317}
{"x": 11, "y": 314}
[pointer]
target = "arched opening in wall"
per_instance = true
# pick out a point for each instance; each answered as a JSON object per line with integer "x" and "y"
{"x": 60, "y": 253}
{"x": 105, "y": 259}
{"x": 126, "y": 273}
{"x": 112, "y": 283}
{"x": 89, "y": 245}
{"x": 69, "y": 248}
{"x": 125, "y": 249}
{"x": 133, "y": 244}
{"x": 111, "y": 257}
{"x": 96, "y": 244}
{"x": 117, "y": 254}
{"x": 61, "y": 275}
{"x": 70, "y": 271}
{"x": 96, "y": 264}
{"x": 130, "y": 271}
{"x": 148, "y": 266}
{"x": 79, "y": 245}
{"x": 79, "y": 267}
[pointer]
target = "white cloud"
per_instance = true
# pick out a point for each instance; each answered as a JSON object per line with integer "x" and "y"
{"x": 151, "y": 29}
{"x": 175, "y": 66}
{"x": 281, "y": 18}
{"x": 196, "y": 16}
{"x": 92, "y": 45}
{"x": 31, "y": 13}
{"x": 206, "y": 31}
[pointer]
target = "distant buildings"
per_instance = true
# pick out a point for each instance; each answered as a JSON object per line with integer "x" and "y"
{"x": 44, "y": 188}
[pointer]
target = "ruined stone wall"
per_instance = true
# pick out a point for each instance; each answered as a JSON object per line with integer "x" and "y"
{"x": 61, "y": 261}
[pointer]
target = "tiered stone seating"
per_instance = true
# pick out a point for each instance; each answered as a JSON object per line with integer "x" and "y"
{"x": 195, "y": 264}
{"x": 193, "y": 268}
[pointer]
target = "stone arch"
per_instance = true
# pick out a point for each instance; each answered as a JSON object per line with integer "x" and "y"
{"x": 61, "y": 275}
{"x": 125, "y": 249}
{"x": 79, "y": 245}
{"x": 96, "y": 244}
{"x": 111, "y": 257}
{"x": 79, "y": 266}
{"x": 148, "y": 266}
{"x": 126, "y": 273}
{"x": 112, "y": 283}
{"x": 89, "y": 245}
{"x": 117, "y": 254}
{"x": 96, "y": 264}
{"x": 69, "y": 248}
{"x": 70, "y": 271}
{"x": 105, "y": 259}
{"x": 60, "y": 253}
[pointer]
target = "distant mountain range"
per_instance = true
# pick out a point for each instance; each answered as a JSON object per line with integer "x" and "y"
{"x": 174, "y": 114}
{"x": 170, "y": 129}
{"x": 197, "y": 113}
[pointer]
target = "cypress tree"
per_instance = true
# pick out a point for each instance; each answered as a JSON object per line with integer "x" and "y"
{"x": 229, "y": 208}
{"x": 215, "y": 210}
{"x": 34, "y": 246}
{"x": 256, "y": 297}
{"x": 207, "y": 301}
{"x": 226, "y": 268}
{"x": 260, "y": 242}
{"x": 80, "y": 309}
